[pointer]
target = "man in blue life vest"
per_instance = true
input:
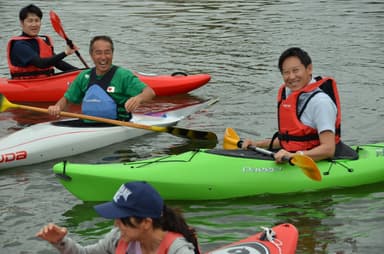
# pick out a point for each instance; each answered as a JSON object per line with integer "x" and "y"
{"x": 31, "y": 55}
{"x": 106, "y": 90}
{"x": 309, "y": 113}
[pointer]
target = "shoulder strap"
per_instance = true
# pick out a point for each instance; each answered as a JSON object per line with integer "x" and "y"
{"x": 306, "y": 103}
{"x": 104, "y": 81}
{"x": 121, "y": 247}
{"x": 275, "y": 135}
{"x": 47, "y": 39}
{"x": 167, "y": 242}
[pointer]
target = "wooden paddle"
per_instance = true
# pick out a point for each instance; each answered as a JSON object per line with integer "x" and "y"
{"x": 307, "y": 165}
{"x": 56, "y": 23}
{"x": 179, "y": 132}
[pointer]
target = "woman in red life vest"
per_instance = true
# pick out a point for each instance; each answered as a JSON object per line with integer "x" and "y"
{"x": 143, "y": 225}
{"x": 31, "y": 55}
{"x": 309, "y": 113}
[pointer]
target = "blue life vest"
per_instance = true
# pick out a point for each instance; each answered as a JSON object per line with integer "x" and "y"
{"x": 97, "y": 102}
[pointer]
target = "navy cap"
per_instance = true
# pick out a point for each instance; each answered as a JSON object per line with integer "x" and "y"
{"x": 138, "y": 199}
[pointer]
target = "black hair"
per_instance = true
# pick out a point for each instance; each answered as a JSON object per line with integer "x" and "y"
{"x": 171, "y": 220}
{"x": 23, "y": 14}
{"x": 100, "y": 37}
{"x": 303, "y": 56}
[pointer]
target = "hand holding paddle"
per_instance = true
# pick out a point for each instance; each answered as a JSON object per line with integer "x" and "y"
{"x": 56, "y": 23}
{"x": 179, "y": 132}
{"x": 307, "y": 165}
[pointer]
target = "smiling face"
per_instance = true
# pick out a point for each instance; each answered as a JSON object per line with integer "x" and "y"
{"x": 102, "y": 55}
{"x": 295, "y": 74}
{"x": 31, "y": 24}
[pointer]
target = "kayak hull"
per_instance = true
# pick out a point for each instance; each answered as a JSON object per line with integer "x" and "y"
{"x": 51, "y": 140}
{"x": 285, "y": 241}
{"x": 219, "y": 174}
{"x": 51, "y": 89}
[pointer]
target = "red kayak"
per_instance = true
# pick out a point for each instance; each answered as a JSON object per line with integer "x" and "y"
{"x": 51, "y": 89}
{"x": 281, "y": 239}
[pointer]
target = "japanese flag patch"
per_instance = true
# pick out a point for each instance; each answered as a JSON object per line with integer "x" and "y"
{"x": 111, "y": 89}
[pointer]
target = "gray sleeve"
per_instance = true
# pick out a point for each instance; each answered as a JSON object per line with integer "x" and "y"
{"x": 320, "y": 113}
{"x": 324, "y": 112}
{"x": 106, "y": 245}
{"x": 181, "y": 246}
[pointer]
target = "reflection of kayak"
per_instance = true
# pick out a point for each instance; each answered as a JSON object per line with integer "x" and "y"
{"x": 50, "y": 140}
{"x": 219, "y": 174}
{"x": 52, "y": 88}
{"x": 281, "y": 239}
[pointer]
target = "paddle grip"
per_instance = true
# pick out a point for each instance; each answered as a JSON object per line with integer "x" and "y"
{"x": 256, "y": 149}
{"x": 70, "y": 43}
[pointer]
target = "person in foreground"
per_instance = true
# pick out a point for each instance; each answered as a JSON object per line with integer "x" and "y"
{"x": 143, "y": 224}
{"x": 31, "y": 55}
{"x": 106, "y": 90}
{"x": 309, "y": 113}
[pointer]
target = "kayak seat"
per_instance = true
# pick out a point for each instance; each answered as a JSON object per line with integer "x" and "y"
{"x": 344, "y": 151}
{"x": 241, "y": 153}
{"x": 80, "y": 123}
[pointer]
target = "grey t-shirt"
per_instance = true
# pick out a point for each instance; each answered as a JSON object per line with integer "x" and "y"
{"x": 107, "y": 245}
{"x": 320, "y": 112}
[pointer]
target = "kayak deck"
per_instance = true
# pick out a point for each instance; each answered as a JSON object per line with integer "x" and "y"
{"x": 217, "y": 174}
{"x": 51, "y": 140}
{"x": 279, "y": 239}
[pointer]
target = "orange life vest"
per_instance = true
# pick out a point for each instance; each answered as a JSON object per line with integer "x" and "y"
{"x": 293, "y": 134}
{"x": 167, "y": 241}
{"x": 30, "y": 71}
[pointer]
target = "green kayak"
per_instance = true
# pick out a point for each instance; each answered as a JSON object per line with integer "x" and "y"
{"x": 219, "y": 174}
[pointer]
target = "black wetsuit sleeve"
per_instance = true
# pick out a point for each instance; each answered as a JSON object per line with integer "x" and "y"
{"x": 56, "y": 60}
{"x": 64, "y": 66}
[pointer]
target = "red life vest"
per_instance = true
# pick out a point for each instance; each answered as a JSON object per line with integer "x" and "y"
{"x": 167, "y": 241}
{"x": 293, "y": 134}
{"x": 30, "y": 71}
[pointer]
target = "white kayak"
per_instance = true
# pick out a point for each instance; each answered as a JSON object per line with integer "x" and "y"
{"x": 57, "y": 139}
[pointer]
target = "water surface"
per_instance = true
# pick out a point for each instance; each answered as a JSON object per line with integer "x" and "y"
{"x": 238, "y": 43}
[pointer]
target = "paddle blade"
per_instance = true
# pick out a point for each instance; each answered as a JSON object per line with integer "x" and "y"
{"x": 56, "y": 24}
{"x": 187, "y": 133}
{"x": 231, "y": 139}
{"x": 58, "y": 27}
{"x": 307, "y": 165}
{"x": 5, "y": 104}
{"x": 193, "y": 134}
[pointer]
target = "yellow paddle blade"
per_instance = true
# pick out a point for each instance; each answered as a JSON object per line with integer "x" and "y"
{"x": 5, "y": 104}
{"x": 231, "y": 139}
{"x": 307, "y": 165}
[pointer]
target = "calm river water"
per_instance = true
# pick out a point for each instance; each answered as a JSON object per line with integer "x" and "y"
{"x": 238, "y": 43}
